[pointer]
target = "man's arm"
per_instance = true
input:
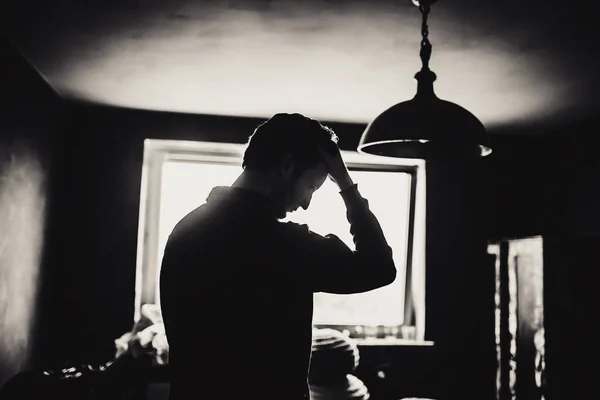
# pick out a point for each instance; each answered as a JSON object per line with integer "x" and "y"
{"x": 326, "y": 264}
{"x": 329, "y": 265}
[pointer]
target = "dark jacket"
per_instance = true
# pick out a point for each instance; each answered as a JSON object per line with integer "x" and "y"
{"x": 236, "y": 291}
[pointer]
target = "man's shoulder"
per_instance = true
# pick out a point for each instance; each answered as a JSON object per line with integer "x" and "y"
{"x": 297, "y": 231}
{"x": 189, "y": 222}
{"x": 293, "y": 227}
{"x": 294, "y": 233}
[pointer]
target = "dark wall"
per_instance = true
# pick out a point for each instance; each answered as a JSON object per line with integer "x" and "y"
{"x": 571, "y": 286}
{"x": 537, "y": 181}
{"x": 32, "y": 122}
{"x": 521, "y": 190}
{"x": 555, "y": 192}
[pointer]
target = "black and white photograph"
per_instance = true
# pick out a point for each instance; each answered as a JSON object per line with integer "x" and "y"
{"x": 299, "y": 199}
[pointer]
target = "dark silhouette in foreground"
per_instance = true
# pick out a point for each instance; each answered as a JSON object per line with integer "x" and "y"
{"x": 237, "y": 284}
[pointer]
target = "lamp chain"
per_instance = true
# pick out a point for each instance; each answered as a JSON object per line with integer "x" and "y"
{"x": 425, "y": 44}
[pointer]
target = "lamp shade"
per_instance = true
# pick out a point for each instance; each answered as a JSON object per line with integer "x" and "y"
{"x": 425, "y": 126}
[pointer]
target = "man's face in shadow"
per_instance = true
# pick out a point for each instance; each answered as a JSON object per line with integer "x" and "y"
{"x": 295, "y": 188}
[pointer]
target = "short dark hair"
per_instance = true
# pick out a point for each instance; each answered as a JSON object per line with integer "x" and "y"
{"x": 293, "y": 134}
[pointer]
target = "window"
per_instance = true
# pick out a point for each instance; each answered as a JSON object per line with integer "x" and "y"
{"x": 178, "y": 176}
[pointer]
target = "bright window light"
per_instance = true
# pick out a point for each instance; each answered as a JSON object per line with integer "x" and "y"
{"x": 388, "y": 194}
{"x": 186, "y": 185}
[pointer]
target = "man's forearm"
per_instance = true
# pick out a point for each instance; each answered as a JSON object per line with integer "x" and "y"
{"x": 364, "y": 226}
{"x": 370, "y": 244}
{"x": 344, "y": 182}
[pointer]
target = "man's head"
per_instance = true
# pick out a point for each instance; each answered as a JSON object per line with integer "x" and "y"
{"x": 287, "y": 148}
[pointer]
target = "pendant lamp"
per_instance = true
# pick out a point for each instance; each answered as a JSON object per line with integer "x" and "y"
{"x": 425, "y": 126}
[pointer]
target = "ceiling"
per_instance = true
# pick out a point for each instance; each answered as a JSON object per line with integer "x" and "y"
{"x": 510, "y": 62}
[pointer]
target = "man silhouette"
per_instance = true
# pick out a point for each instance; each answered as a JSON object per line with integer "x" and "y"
{"x": 237, "y": 284}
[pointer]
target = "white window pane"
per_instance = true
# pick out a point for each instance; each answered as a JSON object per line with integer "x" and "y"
{"x": 388, "y": 194}
{"x": 185, "y": 186}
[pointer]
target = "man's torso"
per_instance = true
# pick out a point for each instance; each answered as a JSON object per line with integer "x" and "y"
{"x": 236, "y": 318}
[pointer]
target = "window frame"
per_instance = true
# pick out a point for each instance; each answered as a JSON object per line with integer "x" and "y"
{"x": 157, "y": 152}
